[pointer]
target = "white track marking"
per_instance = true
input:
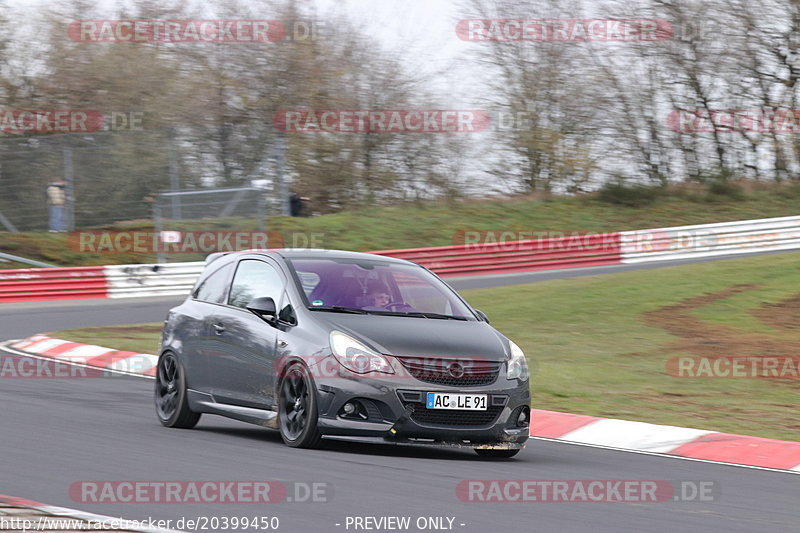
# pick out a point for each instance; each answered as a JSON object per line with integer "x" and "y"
{"x": 633, "y": 435}
{"x": 47, "y": 344}
{"x": 126, "y": 525}
{"x": 6, "y": 347}
{"x": 86, "y": 351}
{"x": 795, "y": 470}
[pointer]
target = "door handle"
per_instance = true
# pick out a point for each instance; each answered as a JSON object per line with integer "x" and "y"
{"x": 219, "y": 329}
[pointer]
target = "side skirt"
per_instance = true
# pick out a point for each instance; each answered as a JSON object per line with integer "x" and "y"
{"x": 201, "y": 402}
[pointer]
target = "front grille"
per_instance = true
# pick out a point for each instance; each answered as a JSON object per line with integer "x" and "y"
{"x": 445, "y": 417}
{"x": 452, "y": 372}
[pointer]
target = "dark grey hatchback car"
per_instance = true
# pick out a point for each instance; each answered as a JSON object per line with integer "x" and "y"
{"x": 319, "y": 343}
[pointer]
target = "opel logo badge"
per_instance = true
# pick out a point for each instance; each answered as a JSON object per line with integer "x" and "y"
{"x": 455, "y": 370}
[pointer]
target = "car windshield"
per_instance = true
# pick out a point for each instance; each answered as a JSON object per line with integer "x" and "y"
{"x": 376, "y": 287}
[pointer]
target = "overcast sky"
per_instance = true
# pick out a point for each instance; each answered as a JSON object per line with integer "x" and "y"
{"x": 423, "y": 30}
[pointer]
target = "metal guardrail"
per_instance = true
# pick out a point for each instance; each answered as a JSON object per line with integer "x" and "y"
{"x": 25, "y": 260}
{"x": 171, "y": 279}
{"x": 652, "y": 245}
{"x": 711, "y": 240}
{"x": 38, "y": 284}
{"x": 516, "y": 256}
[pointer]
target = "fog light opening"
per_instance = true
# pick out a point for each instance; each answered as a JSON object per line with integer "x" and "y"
{"x": 353, "y": 410}
{"x": 523, "y": 419}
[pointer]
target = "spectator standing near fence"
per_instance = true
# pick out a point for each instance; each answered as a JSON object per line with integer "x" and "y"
{"x": 297, "y": 204}
{"x": 56, "y": 204}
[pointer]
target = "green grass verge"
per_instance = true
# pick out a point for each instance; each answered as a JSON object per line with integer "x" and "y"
{"x": 419, "y": 224}
{"x": 594, "y": 351}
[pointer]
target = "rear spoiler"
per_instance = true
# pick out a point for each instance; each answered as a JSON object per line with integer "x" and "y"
{"x": 213, "y": 257}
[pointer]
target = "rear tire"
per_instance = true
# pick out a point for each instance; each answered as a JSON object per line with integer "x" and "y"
{"x": 297, "y": 408}
{"x": 172, "y": 406}
{"x": 496, "y": 454}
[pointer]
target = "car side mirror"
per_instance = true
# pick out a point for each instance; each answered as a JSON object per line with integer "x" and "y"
{"x": 482, "y": 315}
{"x": 263, "y": 308}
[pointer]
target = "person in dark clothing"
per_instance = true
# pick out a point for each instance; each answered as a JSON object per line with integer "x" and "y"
{"x": 296, "y": 204}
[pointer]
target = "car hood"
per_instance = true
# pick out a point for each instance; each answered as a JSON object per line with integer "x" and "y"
{"x": 422, "y": 337}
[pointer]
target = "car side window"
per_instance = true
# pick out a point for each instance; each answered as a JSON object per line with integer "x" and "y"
{"x": 255, "y": 279}
{"x": 214, "y": 288}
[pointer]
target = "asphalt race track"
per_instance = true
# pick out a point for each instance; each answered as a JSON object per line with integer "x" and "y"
{"x": 55, "y": 432}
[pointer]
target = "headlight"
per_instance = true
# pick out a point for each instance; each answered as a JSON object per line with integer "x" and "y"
{"x": 356, "y": 357}
{"x": 517, "y": 365}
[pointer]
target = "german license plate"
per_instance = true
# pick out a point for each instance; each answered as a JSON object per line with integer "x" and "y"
{"x": 463, "y": 402}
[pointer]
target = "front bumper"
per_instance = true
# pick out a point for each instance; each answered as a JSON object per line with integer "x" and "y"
{"x": 429, "y": 443}
{"x": 392, "y": 410}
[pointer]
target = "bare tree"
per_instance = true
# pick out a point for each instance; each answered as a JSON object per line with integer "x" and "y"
{"x": 550, "y": 93}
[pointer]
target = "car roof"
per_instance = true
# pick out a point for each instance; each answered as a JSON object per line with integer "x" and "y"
{"x": 309, "y": 253}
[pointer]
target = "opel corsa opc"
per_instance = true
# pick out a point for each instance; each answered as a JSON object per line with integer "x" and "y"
{"x": 344, "y": 345}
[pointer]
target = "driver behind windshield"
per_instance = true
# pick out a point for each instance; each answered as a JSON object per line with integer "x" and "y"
{"x": 378, "y": 297}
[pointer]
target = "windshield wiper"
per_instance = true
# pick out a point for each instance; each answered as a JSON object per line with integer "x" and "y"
{"x": 440, "y": 316}
{"x": 412, "y": 314}
{"x": 338, "y": 309}
{"x": 417, "y": 314}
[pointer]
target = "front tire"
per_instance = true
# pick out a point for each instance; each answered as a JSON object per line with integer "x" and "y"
{"x": 172, "y": 406}
{"x": 297, "y": 408}
{"x": 496, "y": 454}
